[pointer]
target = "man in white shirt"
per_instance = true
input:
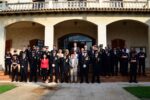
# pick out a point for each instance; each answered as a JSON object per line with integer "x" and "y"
{"x": 73, "y": 62}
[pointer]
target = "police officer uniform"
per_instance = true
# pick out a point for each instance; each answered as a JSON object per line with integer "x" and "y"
{"x": 133, "y": 68}
{"x": 8, "y": 58}
{"x": 124, "y": 62}
{"x": 141, "y": 60}
{"x": 33, "y": 66}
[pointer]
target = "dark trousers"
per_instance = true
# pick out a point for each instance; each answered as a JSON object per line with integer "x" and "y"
{"x": 14, "y": 73}
{"x": 54, "y": 72}
{"x": 44, "y": 74}
{"x": 124, "y": 68}
{"x": 33, "y": 73}
{"x": 7, "y": 68}
{"x": 141, "y": 68}
{"x": 116, "y": 68}
{"x": 24, "y": 73}
{"x": 84, "y": 74}
{"x": 65, "y": 75}
{"x": 133, "y": 72}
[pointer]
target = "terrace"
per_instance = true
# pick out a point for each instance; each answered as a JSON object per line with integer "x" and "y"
{"x": 77, "y": 5}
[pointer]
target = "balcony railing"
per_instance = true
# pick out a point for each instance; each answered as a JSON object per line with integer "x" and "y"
{"x": 74, "y": 4}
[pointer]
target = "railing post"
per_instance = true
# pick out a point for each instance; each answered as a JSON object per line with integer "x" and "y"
{"x": 50, "y": 4}
{"x": 148, "y": 4}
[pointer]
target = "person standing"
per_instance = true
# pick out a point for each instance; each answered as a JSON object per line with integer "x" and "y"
{"x": 15, "y": 68}
{"x": 65, "y": 69}
{"x": 96, "y": 67}
{"x": 133, "y": 67}
{"x": 33, "y": 66}
{"x": 73, "y": 62}
{"x": 141, "y": 61}
{"x": 54, "y": 67}
{"x": 44, "y": 67}
{"x": 8, "y": 58}
{"x": 124, "y": 62}
{"x": 84, "y": 68}
{"x": 23, "y": 58}
{"x": 60, "y": 62}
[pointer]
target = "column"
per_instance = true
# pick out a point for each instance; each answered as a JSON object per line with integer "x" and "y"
{"x": 2, "y": 47}
{"x": 49, "y": 36}
{"x": 148, "y": 52}
{"x": 102, "y": 35}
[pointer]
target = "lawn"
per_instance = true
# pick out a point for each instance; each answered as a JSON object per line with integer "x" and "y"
{"x": 142, "y": 92}
{"x": 4, "y": 88}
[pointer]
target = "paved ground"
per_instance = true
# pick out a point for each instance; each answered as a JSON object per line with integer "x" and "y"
{"x": 52, "y": 91}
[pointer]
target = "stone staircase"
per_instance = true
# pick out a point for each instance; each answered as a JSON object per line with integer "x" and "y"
{"x": 4, "y": 77}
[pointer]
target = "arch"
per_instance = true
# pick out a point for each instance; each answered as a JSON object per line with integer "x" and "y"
{"x": 76, "y": 20}
{"x": 145, "y": 24}
{"x": 22, "y": 22}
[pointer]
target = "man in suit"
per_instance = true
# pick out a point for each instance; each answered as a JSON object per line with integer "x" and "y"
{"x": 8, "y": 59}
{"x": 141, "y": 60}
{"x": 84, "y": 68}
{"x": 23, "y": 64}
{"x": 73, "y": 62}
{"x": 75, "y": 48}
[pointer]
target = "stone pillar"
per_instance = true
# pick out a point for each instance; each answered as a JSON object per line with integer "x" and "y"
{"x": 49, "y": 36}
{"x": 2, "y": 46}
{"x": 148, "y": 52}
{"x": 102, "y": 35}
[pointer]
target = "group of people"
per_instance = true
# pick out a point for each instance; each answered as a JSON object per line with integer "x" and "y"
{"x": 73, "y": 65}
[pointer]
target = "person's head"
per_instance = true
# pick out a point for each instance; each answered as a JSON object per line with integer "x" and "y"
{"x": 101, "y": 46}
{"x": 43, "y": 49}
{"x": 82, "y": 49}
{"x": 93, "y": 47}
{"x": 24, "y": 48}
{"x": 66, "y": 52}
{"x": 141, "y": 49}
{"x": 14, "y": 57}
{"x": 34, "y": 47}
{"x": 44, "y": 56}
{"x": 15, "y": 51}
{"x": 75, "y": 44}
{"x": 37, "y": 48}
{"x": 8, "y": 52}
{"x": 60, "y": 51}
{"x": 54, "y": 47}
{"x": 54, "y": 52}
{"x": 85, "y": 47}
{"x": 46, "y": 48}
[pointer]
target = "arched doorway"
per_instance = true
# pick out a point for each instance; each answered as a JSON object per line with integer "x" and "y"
{"x": 81, "y": 31}
{"x": 130, "y": 33}
{"x": 23, "y": 33}
{"x": 66, "y": 42}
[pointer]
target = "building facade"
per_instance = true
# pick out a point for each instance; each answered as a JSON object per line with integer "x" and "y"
{"x": 119, "y": 23}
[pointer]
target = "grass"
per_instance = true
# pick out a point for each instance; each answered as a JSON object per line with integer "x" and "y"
{"x": 4, "y": 88}
{"x": 142, "y": 92}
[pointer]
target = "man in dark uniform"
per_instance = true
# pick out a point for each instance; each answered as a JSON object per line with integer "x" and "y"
{"x": 124, "y": 62}
{"x": 115, "y": 61}
{"x": 133, "y": 67}
{"x": 23, "y": 58}
{"x": 141, "y": 60}
{"x": 96, "y": 67}
{"x": 8, "y": 58}
{"x": 33, "y": 66}
{"x": 84, "y": 68}
{"x": 39, "y": 56}
{"x": 54, "y": 68}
